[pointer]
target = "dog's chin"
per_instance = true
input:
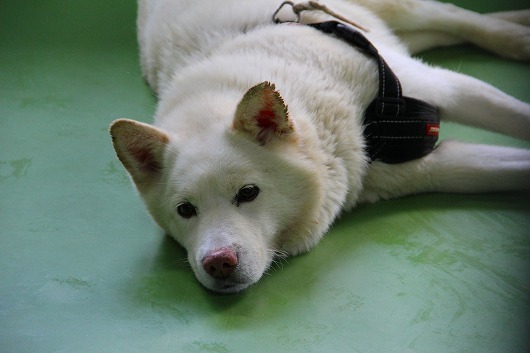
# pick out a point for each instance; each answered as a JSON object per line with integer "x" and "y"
{"x": 225, "y": 286}
{"x": 232, "y": 284}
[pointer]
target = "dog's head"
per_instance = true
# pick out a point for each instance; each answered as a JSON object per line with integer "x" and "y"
{"x": 234, "y": 197}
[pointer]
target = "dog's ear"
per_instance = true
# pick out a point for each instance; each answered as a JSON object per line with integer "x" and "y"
{"x": 263, "y": 115}
{"x": 140, "y": 148}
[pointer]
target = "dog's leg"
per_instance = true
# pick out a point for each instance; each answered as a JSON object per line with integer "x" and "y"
{"x": 418, "y": 41}
{"x": 521, "y": 17}
{"x": 464, "y": 99}
{"x": 498, "y": 35}
{"x": 456, "y": 166}
{"x": 453, "y": 167}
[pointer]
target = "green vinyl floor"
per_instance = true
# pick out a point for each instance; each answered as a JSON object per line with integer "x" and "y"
{"x": 84, "y": 269}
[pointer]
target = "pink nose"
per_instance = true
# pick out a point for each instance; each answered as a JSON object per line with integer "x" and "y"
{"x": 220, "y": 263}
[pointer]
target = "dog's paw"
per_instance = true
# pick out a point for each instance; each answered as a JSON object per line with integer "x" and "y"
{"x": 511, "y": 41}
{"x": 520, "y": 47}
{"x": 521, "y": 17}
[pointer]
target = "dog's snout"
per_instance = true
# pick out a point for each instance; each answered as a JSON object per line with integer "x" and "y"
{"x": 220, "y": 263}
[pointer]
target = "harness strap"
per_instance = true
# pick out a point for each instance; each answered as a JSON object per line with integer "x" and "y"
{"x": 397, "y": 129}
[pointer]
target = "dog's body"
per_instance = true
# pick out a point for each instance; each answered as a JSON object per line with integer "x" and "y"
{"x": 237, "y": 177}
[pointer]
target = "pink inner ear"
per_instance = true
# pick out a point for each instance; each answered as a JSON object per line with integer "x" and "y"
{"x": 266, "y": 119}
{"x": 263, "y": 114}
{"x": 145, "y": 158}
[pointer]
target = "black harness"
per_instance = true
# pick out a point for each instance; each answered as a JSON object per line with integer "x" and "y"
{"x": 396, "y": 128}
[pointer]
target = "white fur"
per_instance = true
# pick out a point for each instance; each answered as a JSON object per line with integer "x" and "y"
{"x": 200, "y": 57}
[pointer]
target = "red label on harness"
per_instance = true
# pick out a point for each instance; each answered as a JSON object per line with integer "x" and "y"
{"x": 432, "y": 129}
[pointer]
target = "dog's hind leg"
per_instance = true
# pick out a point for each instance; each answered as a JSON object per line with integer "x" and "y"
{"x": 418, "y": 41}
{"x": 444, "y": 24}
{"x": 521, "y": 17}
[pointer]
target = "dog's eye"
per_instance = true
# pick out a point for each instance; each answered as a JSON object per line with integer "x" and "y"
{"x": 186, "y": 210}
{"x": 246, "y": 194}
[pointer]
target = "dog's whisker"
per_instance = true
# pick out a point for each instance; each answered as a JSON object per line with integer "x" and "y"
{"x": 278, "y": 259}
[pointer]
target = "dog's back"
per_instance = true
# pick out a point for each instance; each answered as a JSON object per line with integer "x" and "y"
{"x": 176, "y": 34}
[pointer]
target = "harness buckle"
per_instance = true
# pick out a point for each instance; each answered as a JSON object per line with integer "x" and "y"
{"x": 276, "y": 18}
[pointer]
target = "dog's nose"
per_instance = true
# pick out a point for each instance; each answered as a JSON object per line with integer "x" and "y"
{"x": 220, "y": 263}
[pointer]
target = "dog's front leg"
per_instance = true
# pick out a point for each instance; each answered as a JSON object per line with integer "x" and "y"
{"x": 464, "y": 99}
{"x": 453, "y": 167}
{"x": 467, "y": 100}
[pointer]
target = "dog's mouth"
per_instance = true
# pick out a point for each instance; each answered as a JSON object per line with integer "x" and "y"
{"x": 235, "y": 283}
{"x": 226, "y": 286}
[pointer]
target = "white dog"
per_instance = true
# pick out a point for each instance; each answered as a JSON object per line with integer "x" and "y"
{"x": 258, "y": 141}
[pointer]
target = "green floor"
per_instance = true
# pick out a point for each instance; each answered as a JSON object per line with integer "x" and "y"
{"x": 84, "y": 269}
